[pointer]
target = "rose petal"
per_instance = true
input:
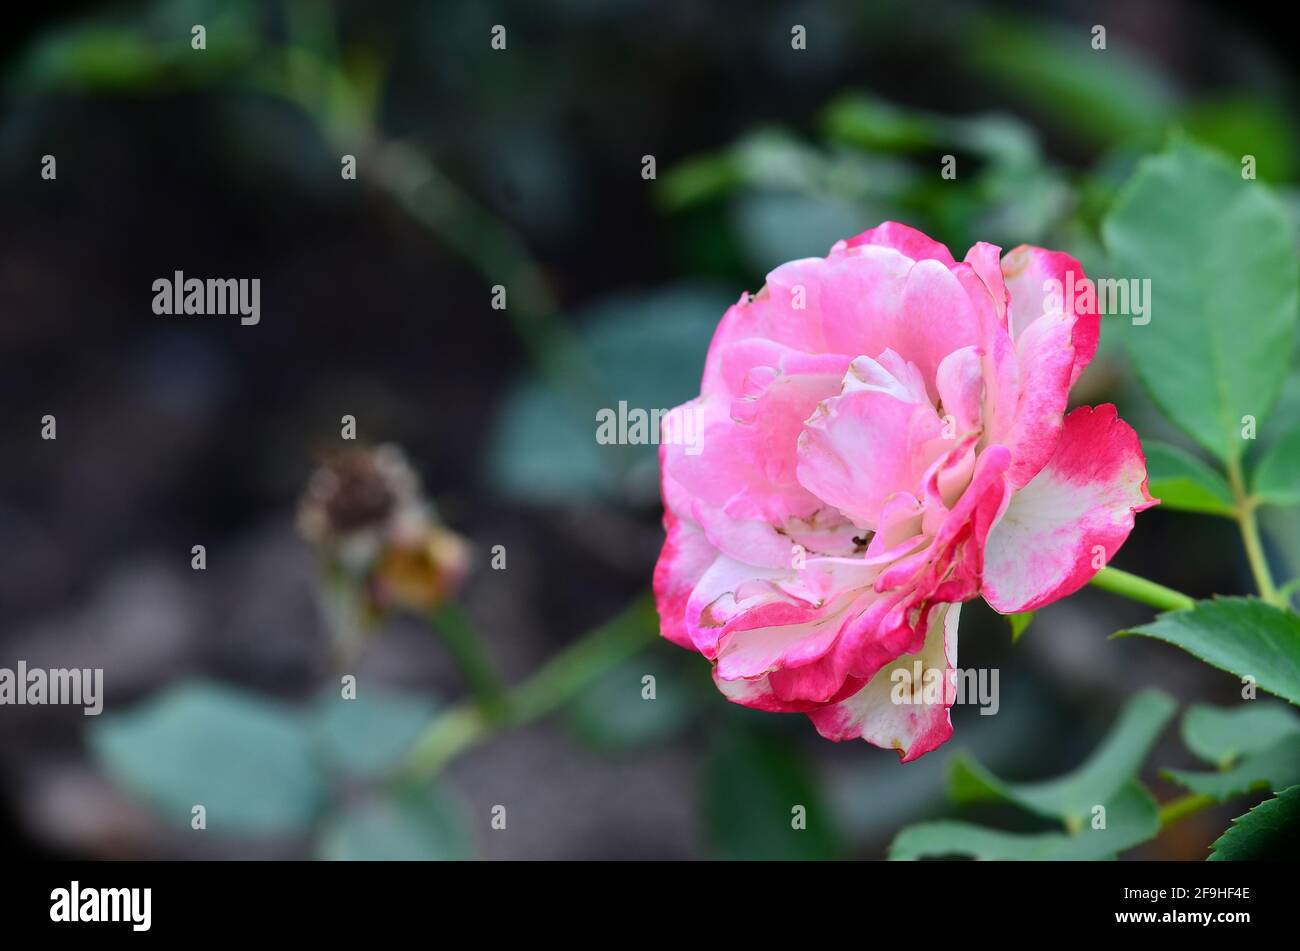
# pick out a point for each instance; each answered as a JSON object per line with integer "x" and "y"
{"x": 1078, "y": 510}
{"x": 914, "y": 728}
{"x": 867, "y": 444}
{"x": 917, "y": 245}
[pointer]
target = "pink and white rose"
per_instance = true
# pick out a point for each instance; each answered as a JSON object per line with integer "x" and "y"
{"x": 884, "y": 437}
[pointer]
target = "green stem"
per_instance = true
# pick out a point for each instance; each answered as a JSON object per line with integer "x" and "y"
{"x": 554, "y": 684}
{"x": 1141, "y": 590}
{"x": 1249, "y": 524}
{"x": 1184, "y": 806}
{"x": 466, "y": 648}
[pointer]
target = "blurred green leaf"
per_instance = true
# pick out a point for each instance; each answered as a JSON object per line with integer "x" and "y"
{"x": 1101, "y": 96}
{"x": 94, "y": 57}
{"x": 1277, "y": 477}
{"x": 1019, "y": 624}
{"x": 1071, "y": 798}
{"x": 1019, "y": 204}
{"x": 765, "y": 159}
{"x": 149, "y": 49}
{"x": 1222, "y": 735}
{"x": 1003, "y": 141}
{"x": 544, "y": 450}
{"x": 1270, "y": 831}
{"x": 647, "y": 351}
{"x": 1247, "y": 125}
{"x": 1243, "y": 636}
{"x": 1131, "y": 819}
{"x": 1181, "y": 481}
{"x": 753, "y": 786}
{"x": 697, "y": 180}
{"x": 1223, "y": 272}
{"x": 246, "y": 760}
{"x": 614, "y": 715}
{"x": 1274, "y": 768}
{"x": 872, "y": 123}
{"x": 775, "y": 162}
{"x": 368, "y": 736}
{"x": 413, "y": 825}
{"x": 775, "y": 227}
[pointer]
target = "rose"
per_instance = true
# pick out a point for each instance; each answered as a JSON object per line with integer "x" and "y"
{"x": 884, "y": 437}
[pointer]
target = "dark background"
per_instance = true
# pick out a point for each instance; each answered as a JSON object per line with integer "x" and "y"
{"x": 174, "y": 432}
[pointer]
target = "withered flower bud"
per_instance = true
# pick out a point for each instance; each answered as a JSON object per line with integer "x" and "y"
{"x": 365, "y": 511}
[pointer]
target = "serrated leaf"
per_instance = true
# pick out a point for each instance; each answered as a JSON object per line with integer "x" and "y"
{"x": 1131, "y": 819}
{"x": 1269, "y": 831}
{"x": 412, "y": 825}
{"x": 1277, "y": 477}
{"x": 1221, "y": 260}
{"x": 1274, "y": 768}
{"x": 246, "y": 760}
{"x": 1070, "y": 798}
{"x": 1243, "y": 636}
{"x": 1222, "y": 735}
{"x": 1181, "y": 481}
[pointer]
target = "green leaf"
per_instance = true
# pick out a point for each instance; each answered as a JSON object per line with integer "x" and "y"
{"x": 1247, "y": 125}
{"x": 1221, "y": 261}
{"x": 368, "y": 736}
{"x": 869, "y": 122}
{"x": 1102, "y": 97}
{"x": 148, "y": 50}
{"x": 1131, "y": 819}
{"x": 1181, "y": 481}
{"x": 753, "y": 789}
{"x": 614, "y": 715}
{"x": 1274, "y": 768}
{"x": 1071, "y": 798}
{"x": 1243, "y": 636}
{"x": 1222, "y": 735}
{"x": 1277, "y": 477}
{"x": 767, "y": 158}
{"x": 1020, "y": 622}
{"x": 699, "y": 179}
{"x": 1270, "y": 831}
{"x": 246, "y": 760}
{"x": 412, "y": 825}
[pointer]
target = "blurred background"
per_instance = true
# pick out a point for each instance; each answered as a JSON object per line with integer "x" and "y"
{"x": 522, "y": 167}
